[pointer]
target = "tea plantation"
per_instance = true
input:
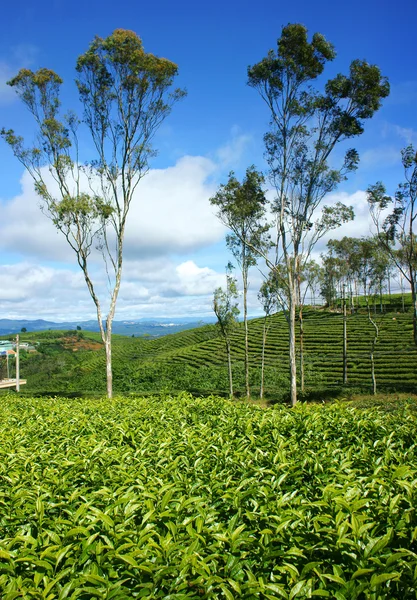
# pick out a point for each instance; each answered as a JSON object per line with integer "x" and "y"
{"x": 195, "y": 360}
{"x": 185, "y": 498}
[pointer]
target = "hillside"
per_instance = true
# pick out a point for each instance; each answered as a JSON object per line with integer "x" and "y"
{"x": 195, "y": 359}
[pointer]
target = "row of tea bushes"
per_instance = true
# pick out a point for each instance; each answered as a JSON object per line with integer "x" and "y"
{"x": 190, "y": 498}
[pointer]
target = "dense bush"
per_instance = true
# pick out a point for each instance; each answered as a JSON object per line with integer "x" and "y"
{"x": 190, "y": 498}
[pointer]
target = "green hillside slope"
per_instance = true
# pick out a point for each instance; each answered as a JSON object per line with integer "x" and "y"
{"x": 195, "y": 359}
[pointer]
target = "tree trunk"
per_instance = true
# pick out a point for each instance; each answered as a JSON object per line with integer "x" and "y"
{"x": 245, "y": 320}
{"x": 352, "y": 301}
{"x": 373, "y": 344}
{"x": 109, "y": 372}
{"x": 300, "y": 317}
{"x": 292, "y": 349}
{"x": 229, "y": 366}
{"x": 380, "y": 297}
{"x": 261, "y": 392}
{"x": 373, "y": 372}
{"x": 301, "y": 348}
{"x": 414, "y": 307}
{"x": 356, "y": 293}
{"x": 345, "y": 370}
{"x": 389, "y": 291}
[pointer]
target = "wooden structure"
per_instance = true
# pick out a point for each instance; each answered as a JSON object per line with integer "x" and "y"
{"x": 6, "y": 383}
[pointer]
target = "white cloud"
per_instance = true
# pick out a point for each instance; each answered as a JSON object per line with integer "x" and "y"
{"x": 21, "y": 56}
{"x": 230, "y": 154}
{"x": 170, "y": 216}
{"x": 170, "y": 213}
{"x": 196, "y": 281}
{"x": 34, "y": 291}
{"x": 408, "y": 134}
{"x": 7, "y": 94}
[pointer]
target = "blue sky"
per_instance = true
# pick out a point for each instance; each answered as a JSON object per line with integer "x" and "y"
{"x": 175, "y": 252}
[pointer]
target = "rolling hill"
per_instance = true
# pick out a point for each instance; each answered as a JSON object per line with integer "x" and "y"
{"x": 195, "y": 360}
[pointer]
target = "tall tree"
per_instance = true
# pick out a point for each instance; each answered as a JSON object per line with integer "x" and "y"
{"x": 125, "y": 95}
{"x": 312, "y": 275}
{"x": 225, "y": 307}
{"x": 397, "y": 231}
{"x": 306, "y": 279}
{"x": 268, "y": 297}
{"x": 241, "y": 208}
{"x": 305, "y": 128}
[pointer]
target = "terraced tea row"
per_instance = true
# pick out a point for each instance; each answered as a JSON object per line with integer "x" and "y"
{"x": 195, "y": 359}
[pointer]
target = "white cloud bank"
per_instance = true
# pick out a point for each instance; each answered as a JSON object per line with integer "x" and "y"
{"x": 169, "y": 241}
{"x": 170, "y": 216}
{"x": 166, "y": 289}
{"x": 170, "y": 213}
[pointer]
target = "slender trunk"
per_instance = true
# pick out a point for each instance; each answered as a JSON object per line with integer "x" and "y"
{"x": 389, "y": 291}
{"x": 301, "y": 348}
{"x": 373, "y": 372}
{"x": 112, "y": 309}
{"x": 292, "y": 347}
{"x": 245, "y": 319}
{"x": 229, "y": 366}
{"x": 414, "y": 304}
{"x": 261, "y": 392}
{"x": 402, "y": 294}
{"x": 345, "y": 368}
{"x": 17, "y": 365}
{"x": 380, "y": 297}
{"x": 300, "y": 316}
{"x": 109, "y": 372}
{"x": 373, "y": 344}
{"x": 105, "y": 329}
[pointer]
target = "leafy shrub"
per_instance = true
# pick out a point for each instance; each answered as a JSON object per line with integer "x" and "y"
{"x": 181, "y": 497}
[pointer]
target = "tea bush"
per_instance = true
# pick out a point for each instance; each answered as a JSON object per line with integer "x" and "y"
{"x": 190, "y": 498}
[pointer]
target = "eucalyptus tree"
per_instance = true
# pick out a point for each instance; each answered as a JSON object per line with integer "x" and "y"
{"x": 225, "y": 307}
{"x": 312, "y": 275}
{"x": 347, "y": 251}
{"x": 307, "y": 279}
{"x": 241, "y": 208}
{"x": 397, "y": 231}
{"x": 125, "y": 95}
{"x": 268, "y": 298}
{"x": 331, "y": 275}
{"x": 305, "y": 128}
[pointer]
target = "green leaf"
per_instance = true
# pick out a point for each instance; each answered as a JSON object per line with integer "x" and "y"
{"x": 382, "y": 578}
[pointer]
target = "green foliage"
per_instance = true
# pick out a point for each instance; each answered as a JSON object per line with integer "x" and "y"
{"x": 225, "y": 305}
{"x": 195, "y": 359}
{"x": 125, "y": 95}
{"x": 179, "y": 497}
{"x": 397, "y": 231}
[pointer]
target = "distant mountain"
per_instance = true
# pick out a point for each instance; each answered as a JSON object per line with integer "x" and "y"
{"x": 153, "y": 327}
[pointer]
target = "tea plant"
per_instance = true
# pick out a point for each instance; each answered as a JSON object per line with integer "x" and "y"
{"x": 203, "y": 498}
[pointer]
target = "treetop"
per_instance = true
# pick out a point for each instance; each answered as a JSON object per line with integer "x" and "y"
{"x": 123, "y": 50}
{"x": 296, "y": 55}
